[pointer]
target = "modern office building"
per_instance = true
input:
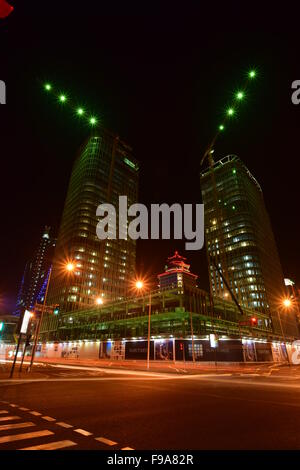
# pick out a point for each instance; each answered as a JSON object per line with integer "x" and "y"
{"x": 186, "y": 324}
{"x": 177, "y": 274}
{"x": 240, "y": 242}
{"x": 35, "y": 274}
{"x": 104, "y": 169}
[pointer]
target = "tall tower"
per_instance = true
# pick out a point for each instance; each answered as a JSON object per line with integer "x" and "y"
{"x": 103, "y": 170}
{"x": 177, "y": 274}
{"x": 35, "y": 273}
{"x": 240, "y": 241}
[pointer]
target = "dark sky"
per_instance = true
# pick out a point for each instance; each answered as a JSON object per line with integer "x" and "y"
{"x": 161, "y": 75}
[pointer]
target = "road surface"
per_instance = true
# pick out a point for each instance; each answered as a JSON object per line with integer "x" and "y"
{"x": 104, "y": 409}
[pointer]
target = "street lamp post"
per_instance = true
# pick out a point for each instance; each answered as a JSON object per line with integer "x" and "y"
{"x": 140, "y": 285}
{"x": 149, "y": 326}
{"x": 68, "y": 267}
{"x": 283, "y": 335}
{"x": 287, "y": 304}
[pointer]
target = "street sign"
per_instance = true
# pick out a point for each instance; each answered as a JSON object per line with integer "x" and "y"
{"x": 25, "y": 322}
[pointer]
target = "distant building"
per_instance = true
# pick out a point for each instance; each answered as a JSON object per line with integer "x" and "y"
{"x": 177, "y": 274}
{"x": 8, "y": 327}
{"x": 35, "y": 273}
{"x": 103, "y": 170}
{"x": 240, "y": 241}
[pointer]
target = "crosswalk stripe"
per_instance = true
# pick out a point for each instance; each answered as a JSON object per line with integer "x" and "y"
{"x": 26, "y": 435}
{"x": 127, "y": 448}
{"x": 48, "y": 418}
{"x": 52, "y": 446}
{"x": 5, "y": 427}
{"x": 23, "y": 409}
{"x": 13, "y": 405}
{"x": 3, "y": 412}
{"x": 64, "y": 425}
{"x": 106, "y": 441}
{"x": 9, "y": 418}
{"x": 83, "y": 432}
{"x": 35, "y": 413}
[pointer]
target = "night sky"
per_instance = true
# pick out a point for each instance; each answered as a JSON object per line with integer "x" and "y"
{"x": 161, "y": 77}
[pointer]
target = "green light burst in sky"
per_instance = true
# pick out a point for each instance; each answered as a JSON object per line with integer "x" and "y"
{"x": 63, "y": 98}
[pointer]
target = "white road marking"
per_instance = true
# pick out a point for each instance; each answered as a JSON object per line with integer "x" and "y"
{"x": 35, "y": 413}
{"x": 64, "y": 425}
{"x": 3, "y": 412}
{"x": 52, "y": 445}
{"x": 26, "y": 435}
{"x": 106, "y": 441}
{"x": 23, "y": 409}
{"x": 127, "y": 448}
{"x": 48, "y": 418}
{"x": 13, "y": 405}
{"x": 9, "y": 418}
{"x": 5, "y": 427}
{"x": 83, "y": 432}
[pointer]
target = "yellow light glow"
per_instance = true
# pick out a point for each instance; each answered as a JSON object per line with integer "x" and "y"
{"x": 99, "y": 301}
{"x": 139, "y": 284}
{"x": 287, "y": 303}
{"x": 70, "y": 267}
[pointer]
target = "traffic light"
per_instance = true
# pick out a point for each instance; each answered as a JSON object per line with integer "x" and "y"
{"x": 181, "y": 346}
{"x": 56, "y": 310}
{"x": 253, "y": 321}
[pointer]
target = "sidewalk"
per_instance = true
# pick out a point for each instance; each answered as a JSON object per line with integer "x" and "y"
{"x": 159, "y": 366}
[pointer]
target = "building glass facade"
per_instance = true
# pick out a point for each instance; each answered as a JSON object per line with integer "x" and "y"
{"x": 240, "y": 241}
{"x": 103, "y": 170}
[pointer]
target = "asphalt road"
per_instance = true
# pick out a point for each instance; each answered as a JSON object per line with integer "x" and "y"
{"x": 106, "y": 410}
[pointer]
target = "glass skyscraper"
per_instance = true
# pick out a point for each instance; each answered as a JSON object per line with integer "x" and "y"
{"x": 36, "y": 274}
{"x": 240, "y": 241}
{"x": 103, "y": 170}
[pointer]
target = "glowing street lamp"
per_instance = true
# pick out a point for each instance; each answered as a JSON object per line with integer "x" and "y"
{"x": 62, "y": 98}
{"x": 99, "y": 301}
{"x": 70, "y": 267}
{"x": 139, "y": 285}
{"x": 80, "y": 111}
{"x": 287, "y": 303}
{"x": 48, "y": 86}
{"x": 230, "y": 111}
{"x": 252, "y": 74}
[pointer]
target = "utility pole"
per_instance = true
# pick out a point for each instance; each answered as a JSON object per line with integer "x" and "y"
{"x": 192, "y": 333}
{"x": 284, "y": 339}
{"x": 37, "y": 332}
{"x": 149, "y": 326}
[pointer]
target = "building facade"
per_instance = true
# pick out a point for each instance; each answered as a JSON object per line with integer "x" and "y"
{"x": 240, "y": 241}
{"x": 35, "y": 274}
{"x": 103, "y": 170}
